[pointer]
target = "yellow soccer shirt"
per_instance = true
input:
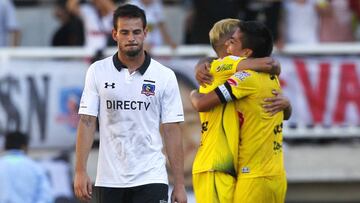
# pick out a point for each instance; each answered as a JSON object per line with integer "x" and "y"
{"x": 260, "y": 149}
{"x": 220, "y": 126}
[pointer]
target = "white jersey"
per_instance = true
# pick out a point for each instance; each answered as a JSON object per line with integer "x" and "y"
{"x": 97, "y": 28}
{"x": 130, "y": 108}
{"x": 301, "y": 22}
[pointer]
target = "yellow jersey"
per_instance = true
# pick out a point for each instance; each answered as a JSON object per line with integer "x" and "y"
{"x": 260, "y": 149}
{"x": 218, "y": 150}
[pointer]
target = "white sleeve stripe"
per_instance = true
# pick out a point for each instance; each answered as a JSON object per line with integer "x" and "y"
{"x": 86, "y": 112}
{"x": 174, "y": 120}
{"x": 225, "y": 92}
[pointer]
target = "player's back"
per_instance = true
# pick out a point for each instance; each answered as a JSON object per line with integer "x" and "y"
{"x": 260, "y": 149}
{"x": 219, "y": 147}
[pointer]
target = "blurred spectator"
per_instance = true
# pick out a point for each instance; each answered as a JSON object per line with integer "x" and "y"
{"x": 71, "y": 30}
{"x": 265, "y": 11}
{"x": 157, "y": 33}
{"x": 9, "y": 27}
{"x": 300, "y": 22}
{"x": 202, "y": 16}
{"x": 355, "y": 7}
{"x": 21, "y": 178}
{"x": 335, "y": 21}
{"x": 97, "y": 17}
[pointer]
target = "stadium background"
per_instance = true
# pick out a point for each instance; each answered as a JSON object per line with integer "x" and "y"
{"x": 40, "y": 87}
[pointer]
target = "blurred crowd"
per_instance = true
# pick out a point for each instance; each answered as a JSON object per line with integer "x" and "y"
{"x": 89, "y": 22}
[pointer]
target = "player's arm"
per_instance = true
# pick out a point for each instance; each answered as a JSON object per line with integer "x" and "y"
{"x": 174, "y": 151}
{"x": 84, "y": 142}
{"x": 240, "y": 85}
{"x": 204, "y": 102}
{"x": 266, "y": 64}
{"x": 202, "y": 71}
{"x": 15, "y": 36}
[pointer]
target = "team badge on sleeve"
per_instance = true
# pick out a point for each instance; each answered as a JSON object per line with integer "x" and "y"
{"x": 232, "y": 82}
{"x": 148, "y": 89}
{"x": 242, "y": 75}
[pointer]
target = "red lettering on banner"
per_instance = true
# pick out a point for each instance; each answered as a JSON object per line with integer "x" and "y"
{"x": 349, "y": 91}
{"x": 316, "y": 96}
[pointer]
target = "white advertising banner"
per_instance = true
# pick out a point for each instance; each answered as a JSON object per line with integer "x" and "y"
{"x": 41, "y": 97}
{"x": 323, "y": 91}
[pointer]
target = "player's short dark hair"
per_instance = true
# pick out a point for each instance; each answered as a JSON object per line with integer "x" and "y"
{"x": 257, "y": 37}
{"x": 129, "y": 11}
{"x": 61, "y": 3}
{"x": 16, "y": 140}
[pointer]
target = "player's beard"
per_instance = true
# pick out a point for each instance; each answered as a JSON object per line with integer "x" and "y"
{"x": 133, "y": 52}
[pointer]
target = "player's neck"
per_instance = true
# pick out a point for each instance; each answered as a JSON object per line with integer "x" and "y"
{"x": 222, "y": 54}
{"x": 133, "y": 62}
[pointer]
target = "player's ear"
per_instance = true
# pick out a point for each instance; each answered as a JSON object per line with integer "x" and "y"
{"x": 227, "y": 43}
{"x": 113, "y": 33}
{"x": 146, "y": 31}
{"x": 247, "y": 52}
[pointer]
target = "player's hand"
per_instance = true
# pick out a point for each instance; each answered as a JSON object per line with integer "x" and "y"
{"x": 82, "y": 186}
{"x": 276, "y": 104}
{"x": 178, "y": 194}
{"x": 276, "y": 67}
{"x": 202, "y": 74}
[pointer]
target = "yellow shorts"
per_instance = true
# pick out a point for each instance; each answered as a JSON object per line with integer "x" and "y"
{"x": 261, "y": 190}
{"x": 213, "y": 187}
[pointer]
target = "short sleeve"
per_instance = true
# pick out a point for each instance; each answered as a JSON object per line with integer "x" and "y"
{"x": 240, "y": 85}
{"x": 221, "y": 70}
{"x": 11, "y": 22}
{"x": 171, "y": 105}
{"x": 89, "y": 104}
{"x": 225, "y": 67}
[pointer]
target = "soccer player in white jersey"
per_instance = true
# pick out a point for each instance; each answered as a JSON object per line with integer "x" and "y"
{"x": 132, "y": 95}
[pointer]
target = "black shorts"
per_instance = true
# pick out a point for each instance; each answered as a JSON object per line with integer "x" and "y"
{"x": 150, "y": 193}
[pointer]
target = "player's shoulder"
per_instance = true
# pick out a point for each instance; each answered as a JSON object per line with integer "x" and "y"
{"x": 103, "y": 63}
{"x": 160, "y": 68}
{"x": 226, "y": 59}
{"x": 225, "y": 64}
{"x": 233, "y": 58}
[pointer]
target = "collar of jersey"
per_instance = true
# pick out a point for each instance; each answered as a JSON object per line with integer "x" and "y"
{"x": 119, "y": 65}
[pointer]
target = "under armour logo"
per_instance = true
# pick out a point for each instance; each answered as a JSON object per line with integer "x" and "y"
{"x": 108, "y": 85}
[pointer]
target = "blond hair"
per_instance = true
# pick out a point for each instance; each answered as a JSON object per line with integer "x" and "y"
{"x": 222, "y": 31}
